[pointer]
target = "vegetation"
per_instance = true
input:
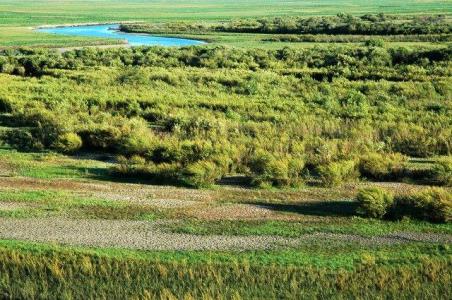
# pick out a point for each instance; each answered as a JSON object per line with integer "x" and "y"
{"x": 341, "y": 24}
{"x": 374, "y": 202}
{"x": 336, "y": 114}
{"x": 31, "y": 270}
{"x": 432, "y": 204}
{"x": 334, "y": 131}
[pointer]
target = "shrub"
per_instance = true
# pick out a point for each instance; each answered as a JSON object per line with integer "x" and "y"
{"x": 101, "y": 138}
{"x": 373, "y": 202}
{"x": 23, "y": 140}
{"x": 382, "y": 167}
{"x": 5, "y": 105}
{"x": 441, "y": 172}
{"x": 201, "y": 174}
{"x": 137, "y": 138}
{"x": 336, "y": 173}
{"x": 68, "y": 143}
{"x": 432, "y": 204}
{"x": 266, "y": 170}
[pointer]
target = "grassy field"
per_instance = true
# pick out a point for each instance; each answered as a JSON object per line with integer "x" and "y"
{"x": 39, "y": 186}
{"x": 260, "y": 166}
{"x": 16, "y": 18}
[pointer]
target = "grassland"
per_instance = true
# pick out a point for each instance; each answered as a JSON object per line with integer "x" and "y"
{"x": 17, "y": 18}
{"x": 329, "y": 267}
{"x": 226, "y": 171}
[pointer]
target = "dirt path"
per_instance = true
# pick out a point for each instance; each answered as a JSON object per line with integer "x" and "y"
{"x": 145, "y": 235}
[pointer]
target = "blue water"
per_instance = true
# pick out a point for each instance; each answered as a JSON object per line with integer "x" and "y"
{"x": 108, "y": 31}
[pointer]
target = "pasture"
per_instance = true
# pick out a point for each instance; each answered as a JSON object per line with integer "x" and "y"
{"x": 290, "y": 158}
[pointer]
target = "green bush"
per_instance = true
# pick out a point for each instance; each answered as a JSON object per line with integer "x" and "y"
{"x": 441, "y": 172}
{"x": 374, "y": 202}
{"x": 68, "y": 143}
{"x": 136, "y": 138}
{"x": 266, "y": 170}
{"x": 201, "y": 174}
{"x": 337, "y": 173}
{"x": 5, "y": 105}
{"x": 23, "y": 140}
{"x": 382, "y": 166}
{"x": 432, "y": 204}
{"x": 105, "y": 137}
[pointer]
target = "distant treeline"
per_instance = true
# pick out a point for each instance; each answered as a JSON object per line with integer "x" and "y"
{"x": 346, "y": 38}
{"x": 331, "y": 25}
{"x": 193, "y": 115}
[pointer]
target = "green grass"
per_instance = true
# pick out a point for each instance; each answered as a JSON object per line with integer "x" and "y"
{"x": 51, "y": 166}
{"x": 337, "y": 271}
{"x": 61, "y": 203}
{"x": 355, "y": 225}
{"x": 29, "y": 12}
{"x": 16, "y": 18}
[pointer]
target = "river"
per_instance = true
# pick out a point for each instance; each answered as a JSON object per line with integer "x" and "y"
{"x": 111, "y": 31}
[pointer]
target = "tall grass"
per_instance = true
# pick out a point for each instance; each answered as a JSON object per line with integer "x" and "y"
{"x": 63, "y": 273}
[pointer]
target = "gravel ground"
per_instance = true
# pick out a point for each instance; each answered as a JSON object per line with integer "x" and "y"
{"x": 10, "y": 206}
{"x": 146, "y": 235}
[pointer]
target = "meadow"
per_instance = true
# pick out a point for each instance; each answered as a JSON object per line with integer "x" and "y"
{"x": 302, "y": 153}
{"x": 18, "y": 18}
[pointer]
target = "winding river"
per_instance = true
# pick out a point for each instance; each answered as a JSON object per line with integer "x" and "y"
{"x": 111, "y": 31}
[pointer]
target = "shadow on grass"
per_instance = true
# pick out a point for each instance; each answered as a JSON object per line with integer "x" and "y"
{"x": 326, "y": 208}
{"x": 105, "y": 174}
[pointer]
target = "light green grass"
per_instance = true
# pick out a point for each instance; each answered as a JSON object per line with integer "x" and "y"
{"x": 17, "y": 17}
{"x": 358, "y": 226}
{"x": 51, "y": 166}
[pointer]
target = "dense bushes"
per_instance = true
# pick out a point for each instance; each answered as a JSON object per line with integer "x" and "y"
{"x": 196, "y": 114}
{"x": 268, "y": 170}
{"x": 374, "y": 202}
{"x": 336, "y": 173}
{"x": 431, "y": 204}
{"x": 341, "y": 24}
{"x": 382, "y": 166}
{"x": 441, "y": 172}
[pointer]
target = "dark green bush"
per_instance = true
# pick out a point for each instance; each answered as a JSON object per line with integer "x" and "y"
{"x": 23, "y": 140}
{"x": 267, "y": 170}
{"x": 432, "y": 204}
{"x": 374, "y": 202}
{"x": 5, "y": 105}
{"x": 441, "y": 172}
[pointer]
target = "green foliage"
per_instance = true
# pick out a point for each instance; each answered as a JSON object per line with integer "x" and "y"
{"x": 31, "y": 270}
{"x": 201, "y": 174}
{"x": 22, "y": 139}
{"x": 280, "y": 116}
{"x": 441, "y": 172}
{"x": 267, "y": 170}
{"x": 337, "y": 173}
{"x": 68, "y": 143}
{"x": 374, "y": 202}
{"x": 339, "y": 24}
{"x": 388, "y": 166}
{"x": 432, "y": 204}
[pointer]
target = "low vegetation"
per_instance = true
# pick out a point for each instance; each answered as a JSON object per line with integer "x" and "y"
{"x": 368, "y": 24}
{"x": 30, "y": 270}
{"x": 336, "y": 114}
{"x": 432, "y": 204}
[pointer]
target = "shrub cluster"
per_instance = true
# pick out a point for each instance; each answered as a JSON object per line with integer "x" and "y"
{"x": 196, "y": 114}
{"x": 340, "y": 24}
{"x": 431, "y": 204}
